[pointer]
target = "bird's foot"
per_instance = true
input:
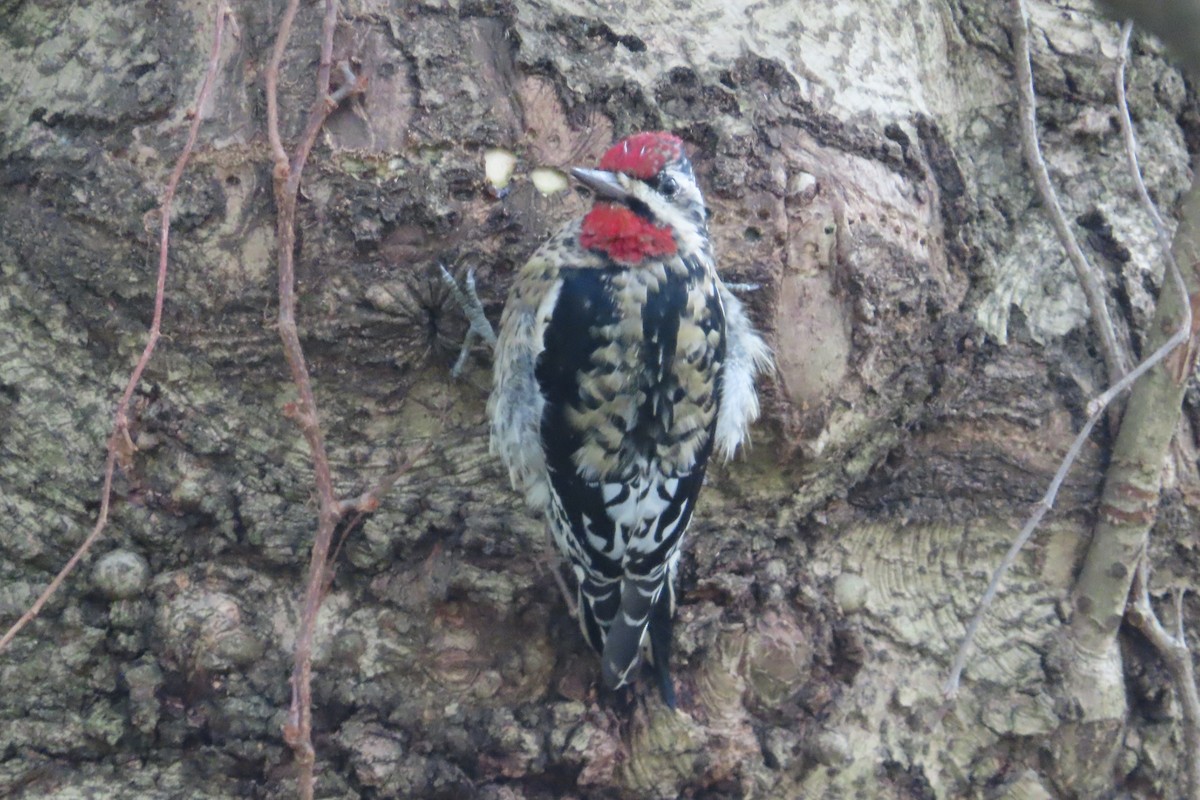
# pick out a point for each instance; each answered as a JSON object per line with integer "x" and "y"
{"x": 468, "y": 300}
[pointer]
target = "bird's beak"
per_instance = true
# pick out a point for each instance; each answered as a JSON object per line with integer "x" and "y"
{"x": 604, "y": 184}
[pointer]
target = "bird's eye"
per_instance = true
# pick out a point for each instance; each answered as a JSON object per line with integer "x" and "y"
{"x": 667, "y": 186}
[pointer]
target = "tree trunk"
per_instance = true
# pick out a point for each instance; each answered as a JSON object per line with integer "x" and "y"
{"x": 862, "y": 166}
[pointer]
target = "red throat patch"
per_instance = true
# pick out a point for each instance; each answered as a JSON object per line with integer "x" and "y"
{"x": 642, "y": 155}
{"x": 624, "y": 236}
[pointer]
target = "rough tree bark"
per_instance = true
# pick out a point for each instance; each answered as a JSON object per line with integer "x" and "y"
{"x": 862, "y": 164}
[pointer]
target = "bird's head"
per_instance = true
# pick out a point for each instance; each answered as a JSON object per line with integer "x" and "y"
{"x": 648, "y": 204}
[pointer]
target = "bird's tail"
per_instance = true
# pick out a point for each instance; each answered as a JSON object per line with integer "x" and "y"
{"x": 660, "y": 642}
{"x": 599, "y": 603}
{"x": 646, "y": 605}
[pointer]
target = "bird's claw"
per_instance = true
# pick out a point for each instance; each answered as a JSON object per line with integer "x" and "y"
{"x": 468, "y": 299}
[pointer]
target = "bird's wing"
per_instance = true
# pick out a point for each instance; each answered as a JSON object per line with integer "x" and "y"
{"x": 516, "y": 404}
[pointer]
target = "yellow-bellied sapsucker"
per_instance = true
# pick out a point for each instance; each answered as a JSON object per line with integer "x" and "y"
{"x": 622, "y": 361}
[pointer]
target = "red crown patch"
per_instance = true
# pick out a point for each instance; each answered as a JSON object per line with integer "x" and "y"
{"x": 642, "y": 155}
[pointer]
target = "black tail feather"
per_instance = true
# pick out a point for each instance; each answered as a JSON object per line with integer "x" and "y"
{"x": 623, "y": 645}
{"x": 660, "y": 645}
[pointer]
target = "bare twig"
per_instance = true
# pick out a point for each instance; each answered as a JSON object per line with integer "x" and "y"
{"x": 1044, "y": 505}
{"x": 1178, "y": 658}
{"x": 1135, "y": 171}
{"x": 278, "y": 154}
{"x": 287, "y": 174}
{"x": 1174, "y": 21}
{"x": 1173, "y": 650}
{"x": 1160, "y": 230}
{"x": 1114, "y": 354}
{"x": 1097, "y": 405}
{"x": 1133, "y": 480}
{"x": 120, "y": 444}
{"x": 368, "y": 502}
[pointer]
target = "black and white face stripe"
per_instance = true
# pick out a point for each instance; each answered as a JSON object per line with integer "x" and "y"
{"x": 670, "y": 200}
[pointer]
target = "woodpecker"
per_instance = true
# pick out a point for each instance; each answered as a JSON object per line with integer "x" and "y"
{"x": 622, "y": 362}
